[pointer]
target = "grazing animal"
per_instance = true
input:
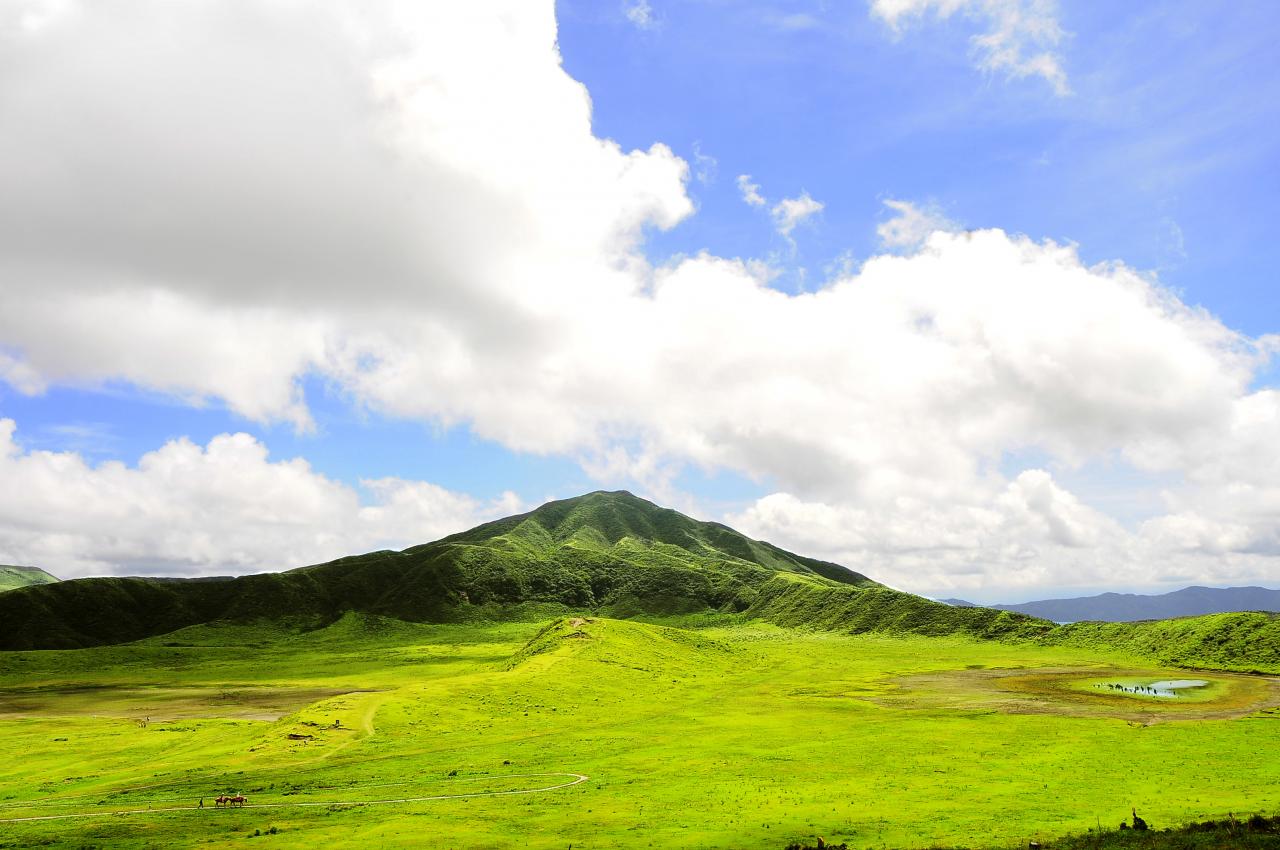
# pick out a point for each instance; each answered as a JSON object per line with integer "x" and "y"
{"x": 238, "y": 800}
{"x": 220, "y": 800}
{"x": 1138, "y": 823}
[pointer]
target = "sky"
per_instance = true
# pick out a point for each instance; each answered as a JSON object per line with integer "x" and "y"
{"x": 976, "y": 297}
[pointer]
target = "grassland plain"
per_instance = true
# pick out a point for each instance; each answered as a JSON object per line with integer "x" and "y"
{"x": 703, "y": 732}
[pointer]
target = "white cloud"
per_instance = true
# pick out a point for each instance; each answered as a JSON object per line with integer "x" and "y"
{"x": 640, "y": 13}
{"x": 409, "y": 202}
{"x": 705, "y": 166}
{"x": 912, "y": 225}
{"x": 195, "y": 194}
{"x": 1021, "y": 39}
{"x": 18, "y": 373}
{"x": 1028, "y": 530}
{"x": 219, "y": 509}
{"x": 750, "y": 191}
{"x": 789, "y": 212}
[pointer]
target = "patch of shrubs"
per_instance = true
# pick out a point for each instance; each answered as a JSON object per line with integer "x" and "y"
{"x": 1258, "y": 831}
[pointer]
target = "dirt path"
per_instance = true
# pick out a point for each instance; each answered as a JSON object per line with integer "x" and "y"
{"x": 364, "y": 730}
{"x": 574, "y": 779}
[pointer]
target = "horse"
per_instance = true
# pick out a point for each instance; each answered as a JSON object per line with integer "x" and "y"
{"x": 237, "y": 800}
{"x": 221, "y": 800}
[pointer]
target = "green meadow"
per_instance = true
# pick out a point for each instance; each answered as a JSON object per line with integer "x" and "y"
{"x": 700, "y": 732}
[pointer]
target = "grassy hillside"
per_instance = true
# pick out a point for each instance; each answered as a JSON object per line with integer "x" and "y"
{"x": 13, "y": 576}
{"x": 610, "y": 553}
{"x": 1246, "y": 642}
{"x": 789, "y": 601}
{"x": 745, "y": 735}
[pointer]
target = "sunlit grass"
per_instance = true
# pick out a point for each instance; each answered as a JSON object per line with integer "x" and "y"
{"x": 746, "y": 735}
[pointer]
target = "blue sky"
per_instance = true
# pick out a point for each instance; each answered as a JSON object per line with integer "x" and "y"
{"x": 1162, "y": 155}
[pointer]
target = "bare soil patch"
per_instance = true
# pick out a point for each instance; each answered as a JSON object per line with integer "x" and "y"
{"x": 160, "y": 704}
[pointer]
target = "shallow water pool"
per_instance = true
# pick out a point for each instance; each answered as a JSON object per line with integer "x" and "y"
{"x": 1165, "y": 688}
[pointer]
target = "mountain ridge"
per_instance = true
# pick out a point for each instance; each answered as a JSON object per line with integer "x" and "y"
{"x": 13, "y": 576}
{"x": 1192, "y": 601}
{"x": 604, "y": 553}
{"x": 607, "y": 551}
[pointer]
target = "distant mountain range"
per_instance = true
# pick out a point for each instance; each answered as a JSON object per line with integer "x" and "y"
{"x": 1131, "y": 607}
{"x": 12, "y": 576}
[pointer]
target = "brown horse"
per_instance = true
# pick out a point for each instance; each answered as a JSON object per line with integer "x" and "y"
{"x": 221, "y": 800}
{"x": 237, "y": 800}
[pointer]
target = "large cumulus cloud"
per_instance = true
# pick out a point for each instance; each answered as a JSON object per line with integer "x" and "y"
{"x": 221, "y": 508}
{"x": 214, "y": 200}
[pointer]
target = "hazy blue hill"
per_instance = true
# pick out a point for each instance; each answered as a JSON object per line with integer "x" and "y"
{"x": 13, "y": 576}
{"x": 608, "y": 552}
{"x": 1131, "y": 607}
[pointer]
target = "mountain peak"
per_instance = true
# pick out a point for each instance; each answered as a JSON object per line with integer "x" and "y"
{"x": 606, "y": 551}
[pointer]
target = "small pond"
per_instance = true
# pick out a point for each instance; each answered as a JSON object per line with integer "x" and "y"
{"x": 1166, "y": 688}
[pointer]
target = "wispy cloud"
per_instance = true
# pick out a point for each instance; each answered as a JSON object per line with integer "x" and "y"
{"x": 705, "y": 166}
{"x": 90, "y": 438}
{"x": 1021, "y": 37}
{"x": 640, "y": 13}
{"x": 789, "y": 212}
{"x": 796, "y": 22}
{"x": 911, "y": 225}
{"x": 750, "y": 191}
{"x": 786, "y": 213}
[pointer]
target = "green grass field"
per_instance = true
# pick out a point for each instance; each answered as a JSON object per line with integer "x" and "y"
{"x": 727, "y": 734}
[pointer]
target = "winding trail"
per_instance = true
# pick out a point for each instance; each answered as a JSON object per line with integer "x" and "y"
{"x": 575, "y": 779}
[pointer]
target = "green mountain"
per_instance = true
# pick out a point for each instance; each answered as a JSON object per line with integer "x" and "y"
{"x": 13, "y": 576}
{"x": 608, "y": 553}
{"x": 611, "y": 553}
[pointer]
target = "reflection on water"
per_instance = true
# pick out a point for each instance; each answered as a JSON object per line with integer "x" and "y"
{"x": 1166, "y": 688}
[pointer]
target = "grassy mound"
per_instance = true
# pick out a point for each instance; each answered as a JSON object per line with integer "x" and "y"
{"x": 12, "y": 577}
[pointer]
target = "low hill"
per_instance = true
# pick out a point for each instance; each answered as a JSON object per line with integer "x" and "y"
{"x": 13, "y": 576}
{"x": 607, "y": 551}
{"x": 1130, "y": 607}
{"x": 1243, "y": 641}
